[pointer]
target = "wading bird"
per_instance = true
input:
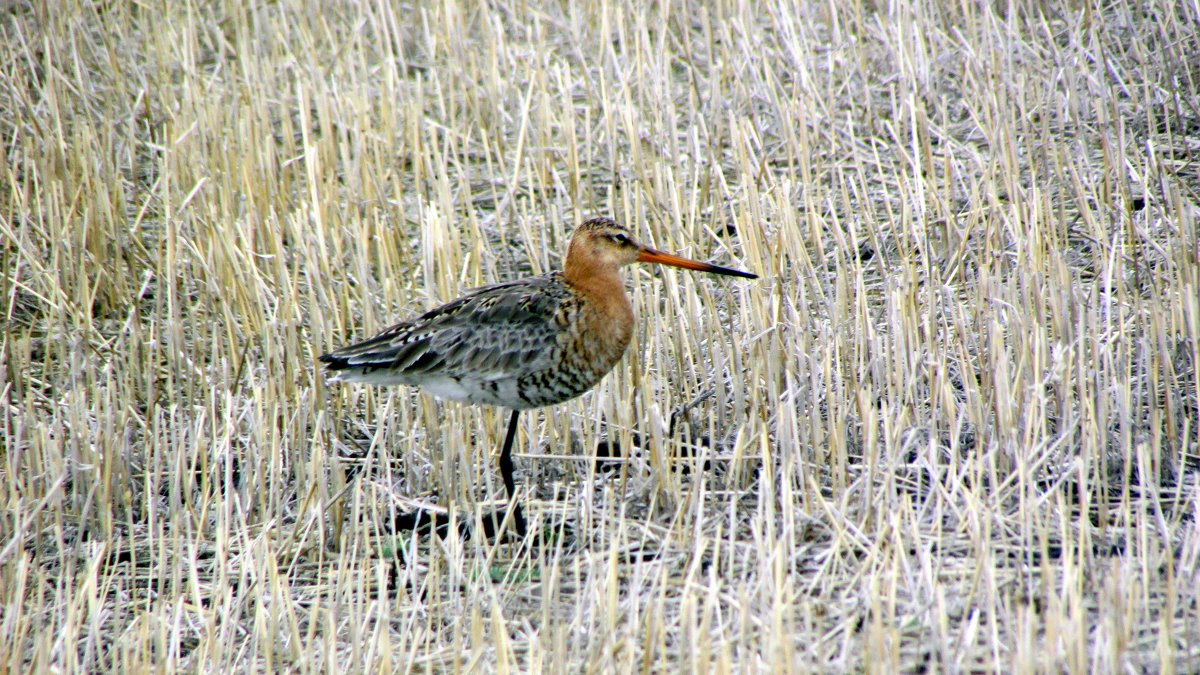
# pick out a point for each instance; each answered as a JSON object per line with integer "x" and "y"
{"x": 522, "y": 344}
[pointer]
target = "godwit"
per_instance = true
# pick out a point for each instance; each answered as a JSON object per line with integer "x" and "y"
{"x": 522, "y": 344}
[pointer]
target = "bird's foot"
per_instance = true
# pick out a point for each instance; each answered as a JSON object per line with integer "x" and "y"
{"x": 491, "y": 523}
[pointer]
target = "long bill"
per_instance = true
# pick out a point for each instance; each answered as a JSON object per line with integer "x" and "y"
{"x": 650, "y": 255}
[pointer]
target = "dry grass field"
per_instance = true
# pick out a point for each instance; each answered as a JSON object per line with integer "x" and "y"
{"x": 953, "y": 426}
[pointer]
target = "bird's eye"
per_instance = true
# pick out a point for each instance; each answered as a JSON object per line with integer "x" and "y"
{"x": 620, "y": 239}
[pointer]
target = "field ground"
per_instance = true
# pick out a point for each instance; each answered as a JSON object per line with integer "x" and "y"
{"x": 952, "y": 427}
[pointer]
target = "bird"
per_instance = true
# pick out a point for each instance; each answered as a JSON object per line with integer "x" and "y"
{"x": 524, "y": 344}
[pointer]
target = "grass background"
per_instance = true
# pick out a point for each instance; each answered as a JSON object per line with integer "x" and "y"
{"x": 953, "y": 426}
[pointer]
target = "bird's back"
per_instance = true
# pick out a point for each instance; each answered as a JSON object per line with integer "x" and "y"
{"x": 521, "y": 344}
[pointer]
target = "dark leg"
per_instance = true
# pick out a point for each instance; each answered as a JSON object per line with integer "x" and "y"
{"x": 506, "y": 471}
{"x": 438, "y": 523}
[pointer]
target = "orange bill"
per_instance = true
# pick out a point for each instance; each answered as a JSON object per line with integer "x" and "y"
{"x": 650, "y": 255}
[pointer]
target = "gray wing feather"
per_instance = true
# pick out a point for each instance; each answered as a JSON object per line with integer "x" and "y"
{"x": 494, "y": 332}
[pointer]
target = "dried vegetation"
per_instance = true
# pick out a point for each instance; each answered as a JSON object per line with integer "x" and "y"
{"x": 953, "y": 427}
